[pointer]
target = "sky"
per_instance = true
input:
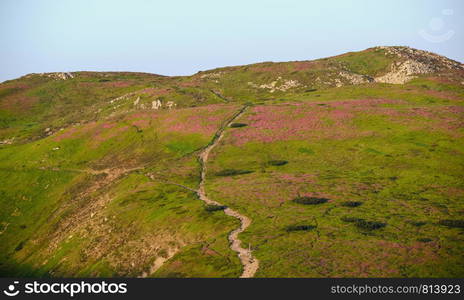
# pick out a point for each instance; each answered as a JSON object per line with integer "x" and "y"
{"x": 183, "y": 37}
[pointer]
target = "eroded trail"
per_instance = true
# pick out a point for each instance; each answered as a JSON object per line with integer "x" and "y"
{"x": 250, "y": 263}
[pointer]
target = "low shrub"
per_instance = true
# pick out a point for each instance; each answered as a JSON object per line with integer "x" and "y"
{"x": 19, "y": 247}
{"x": 363, "y": 224}
{"x": 232, "y": 172}
{"x": 310, "y": 200}
{"x": 351, "y": 219}
{"x": 306, "y": 150}
{"x": 351, "y": 203}
{"x": 236, "y": 125}
{"x": 452, "y": 223}
{"x": 299, "y": 228}
{"x": 424, "y": 240}
{"x": 277, "y": 162}
{"x": 369, "y": 225}
{"x": 212, "y": 207}
{"x": 417, "y": 223}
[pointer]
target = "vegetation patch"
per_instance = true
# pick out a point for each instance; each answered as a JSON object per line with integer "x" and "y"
{"x": 299, "y": 228}
{"x": 212, "y": 207}
{"x": 424, "y": 240}
{"x": 370, "y": 225}
{"x": 452, "y": 223}
{"x": 310, "y": 200}
{"x": 417, "y": 223}
{"x": 351, "y": 203}
{"x": 306, "y": 150}
{"x": 370, "y": 62}
{"x": 232, "y": 172}
{"x": 364, "y": 224}
{"x": 19, "y": 247}
{"x": 351, "y": 219}
{"x": 237, "y": 125}
{"x": 277, "y": 162}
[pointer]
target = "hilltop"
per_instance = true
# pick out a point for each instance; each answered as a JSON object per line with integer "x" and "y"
{"x": 80, "y": 96}
{"x": 347, "y": 166}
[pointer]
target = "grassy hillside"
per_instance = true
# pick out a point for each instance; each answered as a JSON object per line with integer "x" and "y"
{"x": 344, "y": 171}
{"x": 389, "y": 172}
{"x": 100, "y": 199}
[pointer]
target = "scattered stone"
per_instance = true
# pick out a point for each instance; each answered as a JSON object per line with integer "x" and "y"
{"x": 171, "y": 104}
{"x": 277, "y": 85}
{"x": 125, "y": 96}
{"x": 7, "y": 141}
{"x": 212, "y": 75}
{"x": 354, "y": 78}
{"x": 156, "y": 104}
{"x": 58, "y": 75}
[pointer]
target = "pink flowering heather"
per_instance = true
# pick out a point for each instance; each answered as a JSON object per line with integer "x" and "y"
{"x": 102, "y": 136}
{"x": 305, "y": 121}
{"x": 272, "y": 189}
{"x": 98, "y": 131}
{"x": 204, "y": 120}
{"x": 66, "y": 134}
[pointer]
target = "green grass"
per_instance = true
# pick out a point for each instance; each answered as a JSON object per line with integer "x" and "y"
{"x": 371, "y": 62}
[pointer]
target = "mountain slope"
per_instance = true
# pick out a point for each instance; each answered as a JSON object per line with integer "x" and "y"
{"x": 98, "y": 169}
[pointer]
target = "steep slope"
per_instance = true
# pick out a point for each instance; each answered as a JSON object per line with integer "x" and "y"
{"x": 99, "y": 170}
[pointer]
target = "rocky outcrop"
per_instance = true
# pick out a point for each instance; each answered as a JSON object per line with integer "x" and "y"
{"x": 413, "y": 62}
{"x": 354, "y": 78}
{"x": 438, "y": 62}
{"x": 403, "y": 72}
{"x": 156, "y": 104}
{"x": 7, "y": 141}
{"x": 58, "y": 75}
{"x": 277, "y": 85}
{"x": 214, "y": 75}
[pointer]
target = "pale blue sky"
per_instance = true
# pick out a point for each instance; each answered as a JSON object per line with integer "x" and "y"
{"x": 182, "y": 37}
